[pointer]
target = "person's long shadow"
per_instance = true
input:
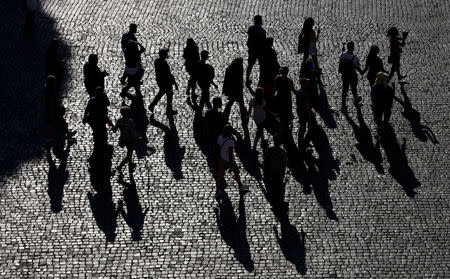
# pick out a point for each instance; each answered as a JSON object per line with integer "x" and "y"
{"x": 396, "y": 156}
{"x": 174, "y": 153}
{"x": 102, "y": 206}
{"x": 248, "y": 158}
{"x": 233, "y": 230}
{"x": 139, "y": 115}
{"x": 422, "y": 132}
{"x": 134, "y": 216}
{"x": 367, "y": 148}
{"x": 57, "y": 178}
{"x": 22, "y": 68}
{"x": 323, "y": 108}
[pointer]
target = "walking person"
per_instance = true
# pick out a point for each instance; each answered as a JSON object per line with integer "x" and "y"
{"x": 233, "y": 88}
{"x": 382, "y": 97}
{"x": 348, "y": 65}
{"x": 284, "y": 87}
{"x": 165, "y": 81}
{"x": 128, "y": 137}
{"x": 269, "y": 69}
{"x": 191, "y": 56}
{"x": 258, "y": 107}
{"x": 225, "y": 145}
{"x": 93, "y": 76}
{"x": 54, "y": 62}
{"x": 134, "y": 71}
{"x": 255, "y": 43}
{"x": 304, "y": 97}
{"x": 205, "y": 78}
{"x": 374, "y": 65}
{"x": 215, "y": 121}
{"x": 396, "y": 45}
{"x": 307, "y": 40}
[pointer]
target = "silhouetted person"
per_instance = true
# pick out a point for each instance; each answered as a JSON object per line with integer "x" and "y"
{"x": 233, "y": 88}
{"x": 134, "y": 71}
{"x": 255, "y": 43}
{"x": 191, "y": 56}
{"x": 96, "y": 115}
{"x": 54, "y": 111}
{"x": 205, "y": 78}
{"x": 165, "y": 81}
{"x": 304, "y": 112}
{"x": 310, "y": 71}
{"x": 374, "y": 65}
{"x": 225, "y": 144}
{"x": 259, "y": 108}
{"x": 382, "y": 96}
{"x": 348, "y": 65}
{"x": 307, "y": 40}
{"x": 215, "y": 121}
{"x": 275, "y": 163}
{"x": 128, "y": 137}
{"x": 396, "y": 45}
{"x": 269, "y": 69}
{"x": 129, "y": 36}
{"x": 31, "y": 6}
{"x": 284, "y": 88}
{"x": 93, "y": 76}
{"x": 54, "y": 63}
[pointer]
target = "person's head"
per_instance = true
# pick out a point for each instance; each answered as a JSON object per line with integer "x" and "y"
{"x": 204, "y": 54}
{"x": 133, "y": 28}
{"x": 93, "y": 59}
{"x": 259, "y": 95}
{"x": 125, "y": 111}
{"x": 257, "y": 20}
{"x": 190, "y": 42}
{"x": 350, "y": 46}
{"x": 227, "y": 130}
{"x": 217, "y": 103}
{"x": 284, "y": 71}
{"x": 308, "y": 24}
{"x": 381, "y": 78}
{"x": 50, "y": 83}
{"x": 164, "y": 53}
{"x": 392, "y": 32}
{"x": 269, "y": 42}
{"x": 374, "y": 50}
{"x": 276, "y": 140}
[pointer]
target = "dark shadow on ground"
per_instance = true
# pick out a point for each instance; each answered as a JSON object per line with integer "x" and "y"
{"x": 22, "y": 83}
{"x": 422, "y": 132}
{"x": 174, "y": 153}
{"x": 133, "y": 216}
{"x": 323, "y": 108}
{"x": 396, "y": 156}
{"x": 139, "y": 115}
{"x": 247, "y": 156}
{"x": 233, "y": 230}
{"x": 102, "y": 206}
{"x": 369, "y": 150}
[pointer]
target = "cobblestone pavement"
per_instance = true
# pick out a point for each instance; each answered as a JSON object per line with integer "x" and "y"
{"x": 348, "y": 218}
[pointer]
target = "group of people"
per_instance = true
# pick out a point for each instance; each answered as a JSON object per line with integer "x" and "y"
{"x": 271, "y": 102}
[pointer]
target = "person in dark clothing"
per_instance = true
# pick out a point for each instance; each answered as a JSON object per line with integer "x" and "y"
{"x": 93, "y": 76}
{"x": 275, "y": 163}
{"x": 205, "y": 77}
{"x": 165, "y": 81}
{"x": 191, "y": 56}
{"x": 134, "y": 71}
{"x": 128, "y": 137}
{"x": 54, "y": 111}
{"x": 304, "y": 112}
{"x": 348, "y": 65}
{"x": 233, "y": 88}
{"x": 284, "y": 87}
{"x": 311, "y": 72}
{"x": 382, "y": 96}
{"x": 215, "y": 121}
{"x": 307, "y": 40}
{"x": 129, "y": 36}
{"x": 31, "y": 7}
{"x": 269, "y": 69}
{"x": 374, "y": 65}
{"x": 54, "y": 63}
{"x": 256, "y": 38}
{"x": 396, "y": 45}
{"x": 96, "y": 115}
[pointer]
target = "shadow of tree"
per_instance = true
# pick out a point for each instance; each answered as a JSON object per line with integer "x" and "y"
{"x": 22, "y": 106}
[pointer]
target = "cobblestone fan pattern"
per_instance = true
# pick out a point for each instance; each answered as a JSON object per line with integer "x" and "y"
{"x": 355, "y": 221}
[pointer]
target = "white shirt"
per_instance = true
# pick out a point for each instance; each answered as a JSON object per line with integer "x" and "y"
{"x": 225, "y": 144}
{"x": 259, "y": 115}
{"x": 354, "y": 57}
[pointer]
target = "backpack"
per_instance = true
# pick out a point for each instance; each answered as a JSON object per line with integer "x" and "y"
{"x": 346, "y": 66}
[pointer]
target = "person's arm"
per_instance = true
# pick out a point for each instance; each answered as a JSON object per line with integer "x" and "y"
{"x": 358, "y": 66}
{"x": 291, "y": 86}
{"x": 250, "y": 108}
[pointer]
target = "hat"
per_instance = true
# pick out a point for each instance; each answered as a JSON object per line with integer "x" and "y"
{"x": 381, "y": 78}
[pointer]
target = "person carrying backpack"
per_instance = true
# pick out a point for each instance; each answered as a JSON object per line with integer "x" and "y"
{"x": 348, "y": 65}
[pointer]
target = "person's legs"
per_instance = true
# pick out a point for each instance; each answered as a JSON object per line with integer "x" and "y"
{"x": 387, "y": 114}
{"x": 301, "y": 131}
{"x": 345, "y": 87}
{"x": 169, "y": 95}
{"x": 236, "y": 175}
{"x": 377, "y": 115}
{"x": 252, "y": 56}
{"x": 205, "y": 98}
{"x": 354, "y": 88}
{"x": 227, "y": 110}
{"x": 219, "y": 176}
{"x": 259, "y": 134}
{"x": 156, "y": 99}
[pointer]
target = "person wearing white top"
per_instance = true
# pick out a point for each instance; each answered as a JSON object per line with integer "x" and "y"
{"x": 258, "y": 107}
{"x": 348, "y": 65}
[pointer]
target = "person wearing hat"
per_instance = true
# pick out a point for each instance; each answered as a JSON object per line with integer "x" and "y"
{"x": 205, "y": 77}
{"x": 165, "y": 81}
{"x": 382, "y": 96}
{"x": 128, "y": 136}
